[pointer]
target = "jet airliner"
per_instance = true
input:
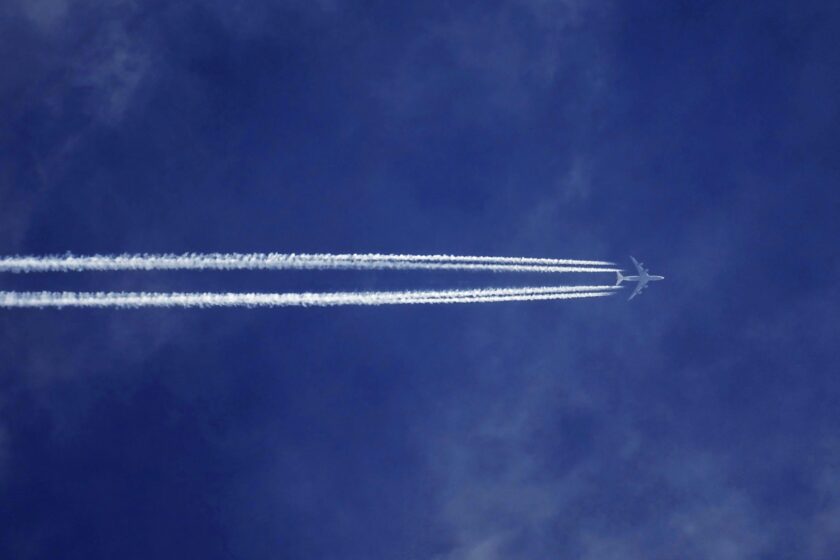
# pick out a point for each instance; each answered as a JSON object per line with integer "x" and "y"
{"x": 641, "y": 279}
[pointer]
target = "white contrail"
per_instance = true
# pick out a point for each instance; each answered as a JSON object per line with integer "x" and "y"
{"x": 278, "y": 261}
{"x": 145, "y": 299}
{"x": 456, "y": 258}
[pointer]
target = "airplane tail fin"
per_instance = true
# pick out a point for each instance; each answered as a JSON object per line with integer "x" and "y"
{"x": 619, "y": 278}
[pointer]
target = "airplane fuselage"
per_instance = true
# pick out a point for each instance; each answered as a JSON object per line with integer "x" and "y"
{"x": 647, "y": 278}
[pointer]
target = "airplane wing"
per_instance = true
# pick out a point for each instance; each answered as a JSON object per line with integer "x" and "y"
{"x": 639, "y": 287}
{"x": 640, "y": 269}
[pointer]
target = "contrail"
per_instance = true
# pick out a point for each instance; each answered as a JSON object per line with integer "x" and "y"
{"x": 456, "y": 258}
{"x": 280, "y": 261}
{"x": 146, "y": 299}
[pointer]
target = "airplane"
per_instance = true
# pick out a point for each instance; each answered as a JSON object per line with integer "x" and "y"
{"x": 642, "y": 278}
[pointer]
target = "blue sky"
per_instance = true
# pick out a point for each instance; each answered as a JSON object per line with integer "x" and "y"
{"x": 699, "y": 420}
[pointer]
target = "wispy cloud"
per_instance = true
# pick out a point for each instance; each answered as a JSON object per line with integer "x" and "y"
{"x": 4, "y": 451}
{"x": 45, "y": 14}
{"x": 505, "y": 57}
{"x": 105, "y": 67}
{"x": 110, "y": 70}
